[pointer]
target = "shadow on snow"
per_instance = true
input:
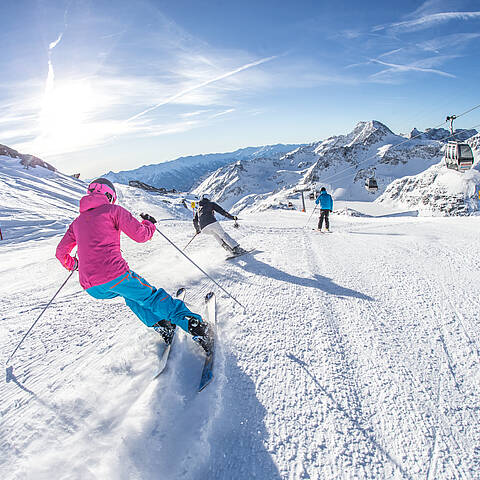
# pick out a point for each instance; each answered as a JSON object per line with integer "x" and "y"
{"x": 253, "y": 265}
{"x": 216, "y": 434}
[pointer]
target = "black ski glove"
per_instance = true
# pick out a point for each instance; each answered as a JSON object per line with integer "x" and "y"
{"x": 148, "y": 217}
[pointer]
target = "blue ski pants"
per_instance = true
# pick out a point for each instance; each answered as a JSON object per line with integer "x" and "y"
{"x": 149, "y": 304}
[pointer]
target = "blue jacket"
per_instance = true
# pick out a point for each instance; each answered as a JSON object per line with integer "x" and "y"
{"x": 325, "y": 200}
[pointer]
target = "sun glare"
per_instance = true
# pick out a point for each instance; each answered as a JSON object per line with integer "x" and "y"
{"x": 66, "y": 111}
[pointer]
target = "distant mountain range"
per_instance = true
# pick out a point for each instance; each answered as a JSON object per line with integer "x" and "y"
{"x": 408, "y": 170}
{"x": 340, "y": 163}
{"x": 184, "y": 173}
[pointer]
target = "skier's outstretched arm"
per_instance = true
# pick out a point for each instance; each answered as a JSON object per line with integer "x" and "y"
{"x": 221, "y": 211}
{"x": 66, "y": 245}
{"x": 127, "y": 223}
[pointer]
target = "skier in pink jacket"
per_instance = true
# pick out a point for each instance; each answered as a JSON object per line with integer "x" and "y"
{"x": 104, "y": 273}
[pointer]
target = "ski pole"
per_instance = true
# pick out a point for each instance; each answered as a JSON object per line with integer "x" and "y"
{"x": 38, "y": 318}
{"x": 189, "y": 242}
{"x": 203, "y": 271}
{"x": 313, "y": 211}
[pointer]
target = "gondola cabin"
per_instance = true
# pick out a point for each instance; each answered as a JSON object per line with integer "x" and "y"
{"x": 371, "y": 185}
{"x": 458, "y": 156}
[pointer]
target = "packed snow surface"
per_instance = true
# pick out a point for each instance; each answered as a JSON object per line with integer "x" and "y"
{"x": 358, "y": 355}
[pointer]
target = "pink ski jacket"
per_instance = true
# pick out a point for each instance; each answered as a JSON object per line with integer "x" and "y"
{"x": 96, "y": 231}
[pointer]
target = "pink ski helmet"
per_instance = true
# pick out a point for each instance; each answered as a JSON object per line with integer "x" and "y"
{"x": 102, "y": 185}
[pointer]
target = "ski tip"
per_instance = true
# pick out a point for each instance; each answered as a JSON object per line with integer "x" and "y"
{"x": 208, "y": 296}
{"x": 205, "y": 381}
{"x": 180, "y": 291}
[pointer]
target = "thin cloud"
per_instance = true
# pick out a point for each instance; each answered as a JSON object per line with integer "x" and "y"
{"x": 192, "y": 114}
{"x": 397, "y": 68}
{"x": 203, "y": 84}
{"x": 447, "y": 41}
{"x": 225, "y": 112}
{"x": 391, "y": 52}
{"x": 428, "y": 21}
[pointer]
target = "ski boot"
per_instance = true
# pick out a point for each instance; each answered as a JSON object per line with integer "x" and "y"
{"x": 226, "y": 246}
{"x": 166, "y": 329}
{"x": 238, "y": 250}
{"x": 201, "y": 334}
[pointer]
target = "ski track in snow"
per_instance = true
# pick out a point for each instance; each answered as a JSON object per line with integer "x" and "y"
{"x": 356, "y": 358}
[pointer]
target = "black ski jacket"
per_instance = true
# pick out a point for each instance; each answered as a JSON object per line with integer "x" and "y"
{"x": 205, "y": 214}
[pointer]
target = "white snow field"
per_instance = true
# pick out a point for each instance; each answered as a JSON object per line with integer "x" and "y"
{"x": 357, "y": 358}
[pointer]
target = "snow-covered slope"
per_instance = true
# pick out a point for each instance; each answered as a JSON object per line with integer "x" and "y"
{"x": 438, "y": 190}
{"x": 358, "y": 357}
{"x": 37, "y": 202}
{"x": 184, "y": 173}
{"x": 28, "y": 161}
{"x": 341, "y": 163}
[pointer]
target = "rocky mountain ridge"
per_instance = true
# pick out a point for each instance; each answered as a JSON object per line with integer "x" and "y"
{"x": 26, "y": 160}
{"x": 185, "y": 173}
{"x": 340, "y": 163}
{"x": 438, "y": 190}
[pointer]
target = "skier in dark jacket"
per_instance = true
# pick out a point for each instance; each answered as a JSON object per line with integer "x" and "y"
{"x": 326, "y": 206}
{"x": 205, "y": 222}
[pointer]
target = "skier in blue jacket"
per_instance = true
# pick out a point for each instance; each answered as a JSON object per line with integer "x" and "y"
{"x": 326, "y": 206}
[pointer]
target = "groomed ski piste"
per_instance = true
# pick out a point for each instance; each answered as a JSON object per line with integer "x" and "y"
{"x": 358, "y": 355}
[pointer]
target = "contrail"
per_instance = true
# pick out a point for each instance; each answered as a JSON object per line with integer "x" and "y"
{"x": 203, "y": 84}
{"x": 51, "y": 74}
{"x": 52, "y": 45}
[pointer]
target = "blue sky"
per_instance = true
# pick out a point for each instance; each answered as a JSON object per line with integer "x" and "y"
{"x": 93, "y": 86}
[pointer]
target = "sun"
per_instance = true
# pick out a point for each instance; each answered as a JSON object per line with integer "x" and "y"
{"x": 66, "y": 105}
{"x": 65, "y": 119}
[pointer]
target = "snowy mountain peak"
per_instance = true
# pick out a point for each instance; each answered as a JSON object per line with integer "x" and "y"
{"x": 369, "y": 132}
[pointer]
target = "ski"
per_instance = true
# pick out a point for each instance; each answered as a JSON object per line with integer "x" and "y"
{"x": 240, "y": 254}
{"x": 166, "y": 353}
{"x": 211, "y": 314}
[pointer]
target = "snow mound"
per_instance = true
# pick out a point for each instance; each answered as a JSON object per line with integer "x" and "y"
{"x": 350, "y": 212}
